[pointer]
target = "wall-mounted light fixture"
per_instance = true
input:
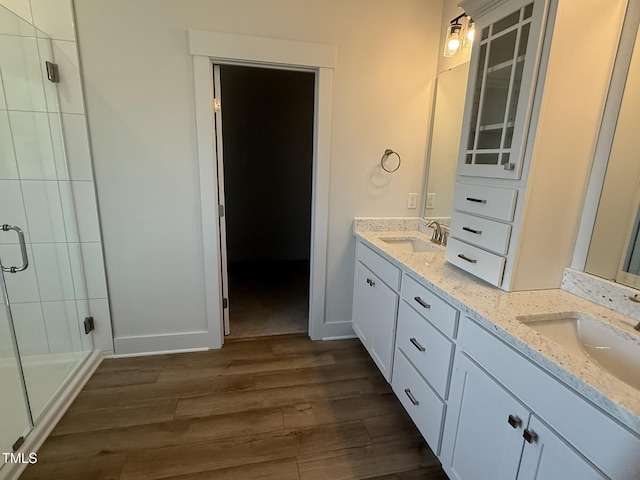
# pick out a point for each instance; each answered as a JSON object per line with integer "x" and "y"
{"x": 469, "y": 33}
{"x": 460, "y": 34}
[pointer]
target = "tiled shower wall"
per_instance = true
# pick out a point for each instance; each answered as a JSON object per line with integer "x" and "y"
{"x": 56, "y": 286}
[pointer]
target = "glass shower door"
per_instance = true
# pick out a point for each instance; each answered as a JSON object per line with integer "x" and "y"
{"x": 41, "y": 329}
{"x": 15, "y": 419}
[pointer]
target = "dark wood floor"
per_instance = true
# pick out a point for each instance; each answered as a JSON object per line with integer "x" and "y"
{"x": 280, "y": 407}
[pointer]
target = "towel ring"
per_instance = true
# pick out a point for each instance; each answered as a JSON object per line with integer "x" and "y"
{"x": 388, "y": 152}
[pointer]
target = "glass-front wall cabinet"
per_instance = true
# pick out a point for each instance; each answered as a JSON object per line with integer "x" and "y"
{"x": 500, "y": 94}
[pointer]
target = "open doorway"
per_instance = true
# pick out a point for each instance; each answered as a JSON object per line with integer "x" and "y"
{"x": 265, "y": 140}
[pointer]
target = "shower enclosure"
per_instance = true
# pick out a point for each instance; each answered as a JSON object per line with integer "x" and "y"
{"x": 43, "y": 289}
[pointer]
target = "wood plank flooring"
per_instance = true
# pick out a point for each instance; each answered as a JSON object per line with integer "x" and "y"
{"x": 266, "y": 408}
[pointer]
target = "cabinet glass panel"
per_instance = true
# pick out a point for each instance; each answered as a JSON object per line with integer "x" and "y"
{"x": 506, "y": 22}
{"x": 524, "y": 39}
{"x": 528, "y": 11}
{"x": 487, "y": 158}
{"x": 497, "y": 89}
{"x": 476, "y": 97}
{"x": 502, "y": 49}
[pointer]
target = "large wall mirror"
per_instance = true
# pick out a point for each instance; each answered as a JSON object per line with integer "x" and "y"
{"x": 614, "y": 249}
{"x": 451, "y": 87}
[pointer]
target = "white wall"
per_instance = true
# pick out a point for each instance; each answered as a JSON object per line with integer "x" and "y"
{"x": 139, "y": 88}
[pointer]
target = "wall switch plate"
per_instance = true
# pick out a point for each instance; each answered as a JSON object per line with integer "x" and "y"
{"x": 412, "y": 201}
{"x": 431, "y": 200}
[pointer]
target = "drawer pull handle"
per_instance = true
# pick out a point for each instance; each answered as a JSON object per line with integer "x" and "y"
{"x": 471, "y": 230}
{"x": 476, "y": 200}
{"x": 466, "y": 259}
{"x": 417, "y": 344}
{"x": 411, "y": 397}
{"x": 422, "y": 303}
{"x": 371, "y": 282}
{"x": 529, "y": 435}
{"x": 514, "y": 421}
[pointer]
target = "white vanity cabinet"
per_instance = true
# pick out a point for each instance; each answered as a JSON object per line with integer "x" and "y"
{"x": 498, "y": 110}
{"x": 375, "y": 304}
{"x": 497, "y": 437}
{"x": 427, "y": 326}
{"x": 500, "y": 90}
{"x": 534, "y": 103}
{"x": 508, "y": 419}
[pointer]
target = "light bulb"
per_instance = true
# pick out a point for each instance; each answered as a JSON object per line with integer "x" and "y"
{"x": 469, "y": 34}
{"x": 452, "y": 43}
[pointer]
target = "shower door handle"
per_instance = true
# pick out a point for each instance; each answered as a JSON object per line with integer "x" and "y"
{"x": 23, "y": 249}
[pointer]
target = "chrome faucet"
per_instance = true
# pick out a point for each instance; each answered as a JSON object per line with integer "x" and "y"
{"x": 440, "y": 232}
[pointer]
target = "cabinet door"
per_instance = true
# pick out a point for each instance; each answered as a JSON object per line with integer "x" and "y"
{"x": 498, "y": 108}
{"x": 383, "y": 327}
{"x": 479, "y": 440}
{"x": 547, "y": 457}
{"x": 363, "y": 301}
{"x": 374, "y": 316}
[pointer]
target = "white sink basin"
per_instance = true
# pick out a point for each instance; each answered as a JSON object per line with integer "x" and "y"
{"x": 606, "y": 346}
{"x": 412, "y": 244}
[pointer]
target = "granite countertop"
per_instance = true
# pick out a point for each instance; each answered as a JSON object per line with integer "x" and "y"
{"x": 497, "y": 310}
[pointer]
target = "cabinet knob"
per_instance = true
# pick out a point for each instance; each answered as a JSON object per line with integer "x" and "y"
{"x": 411, "y": 397}
{"x": 422, "y": 303}
{"x": 417, "y": 344}
{"x": 529, "y": 435}
{"x": 514, "y": 421}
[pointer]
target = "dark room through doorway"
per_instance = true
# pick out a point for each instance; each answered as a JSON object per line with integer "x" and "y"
{"x": 266, "y": 125}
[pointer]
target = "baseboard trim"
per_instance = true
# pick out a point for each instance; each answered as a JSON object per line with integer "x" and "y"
{"x": 37, "y": 436}
{"x": 335, "y": 330}
{"x": 149, "y": 354}
{"x": 340, "y": 337}
{"x": 155, "y": 344}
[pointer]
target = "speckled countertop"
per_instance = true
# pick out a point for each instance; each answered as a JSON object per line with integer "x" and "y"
{"x": 497, "y": 310}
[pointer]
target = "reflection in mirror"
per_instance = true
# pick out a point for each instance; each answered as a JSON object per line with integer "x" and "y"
{"x": 451, "y": 87}
{"x": 631, "y": 261}
{"x": 614, "y": 251}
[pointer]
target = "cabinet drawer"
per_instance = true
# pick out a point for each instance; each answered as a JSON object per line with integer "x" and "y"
{"x": 498, "y": 203}
{"x": 421, "y": 403}
{"x": 430, "y": 306}
{"x": 428, "y": 349}
{"x": 384, "y": 270}
{"x": 485, "y": 265}
{"x": 482, "y": 232}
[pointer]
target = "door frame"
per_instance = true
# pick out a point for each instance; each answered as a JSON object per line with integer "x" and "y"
{"x": 208, "y": 48}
